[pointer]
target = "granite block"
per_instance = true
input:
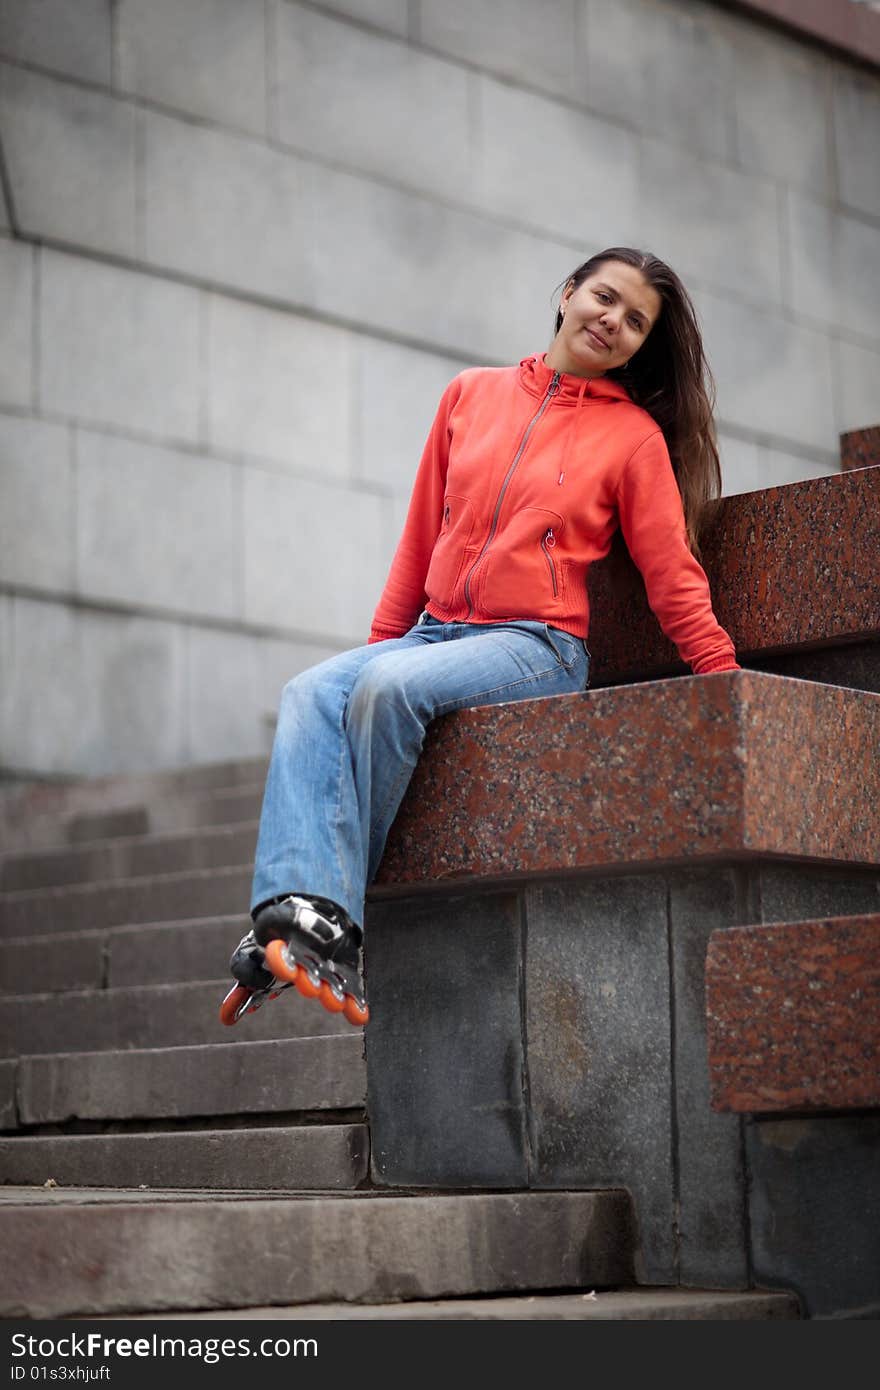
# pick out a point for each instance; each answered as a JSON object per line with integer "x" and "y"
{"x": 856, "y": 114}
{"x": 734, "y": 764}
{"x": 860, "y": 448}
{"x": 397, "y": 111}
{"x": 795, "y": 892}
{"x": 75, "y": 39}
{"x": 710, "y": 196}
{"x": 208, "y": 57}
{"x": 793, "y": 1016}
{"x": 815, "y": 1211}
{"x": 515, "y": 38}
{"x": 444, "y": 1043}
{"x": 710, "y": 1177}
{"x": 855, "y": 665}
{"x": 664, "y": 68}
{"x": 762, "y": 554}
{"x": 38, "y": 481}
{"x": 599, "y": 1050}
{"x": 70, "y": 157}
{"x": 254, "y": 354}
{"x": 528, "y": 179}
{"x": 17, "y": 341}
{"x": 788, "y": 395}
{"x": 857, "y": 396}
{"x": 118, "y": 348}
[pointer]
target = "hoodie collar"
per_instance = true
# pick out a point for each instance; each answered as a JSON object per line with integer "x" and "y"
{"x": 535, "y": 376}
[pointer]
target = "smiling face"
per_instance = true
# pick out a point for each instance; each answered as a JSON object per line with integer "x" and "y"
{"x": 605, "y": 320}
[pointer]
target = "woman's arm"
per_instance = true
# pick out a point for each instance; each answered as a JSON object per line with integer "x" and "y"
{"x": 403, "y": 597}
{"x": 653, "y": 526}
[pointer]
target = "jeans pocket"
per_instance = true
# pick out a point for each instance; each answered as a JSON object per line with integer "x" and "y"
{"x": 569, "y": 650}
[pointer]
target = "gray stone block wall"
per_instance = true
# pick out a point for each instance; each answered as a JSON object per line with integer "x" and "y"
{"x": 244, "y": 244}
{"x": 553, "y": 1035}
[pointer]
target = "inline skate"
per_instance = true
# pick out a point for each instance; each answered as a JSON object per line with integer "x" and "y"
{"x": 254, "y": 983}
{"x": 307, "y": 942}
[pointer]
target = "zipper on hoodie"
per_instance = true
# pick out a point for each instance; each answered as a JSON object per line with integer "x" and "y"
{"x": 547, "y": 542}
{"x": 550, "y": 393}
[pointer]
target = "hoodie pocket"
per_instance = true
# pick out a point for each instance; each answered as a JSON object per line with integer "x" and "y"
{"x": 450, "y": 550}
{"x": 519, "y": 574}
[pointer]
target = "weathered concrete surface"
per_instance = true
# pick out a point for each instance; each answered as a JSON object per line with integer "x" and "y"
{"x": 444, "y": 1043}
{"x": 710, "y": 1180}
{"x": 8, "y": 1110}
{"x": 150, "y": 953}
{"x": 149, "y": 898}
{"x": 61, "y": 1257}
{"x": 307, "y": 1156}
{"x": 612, "y": 1037}
{"x": 598, "y": 1049}
{"x": 151, "y": 1016}
{"x": 326, "y": 1073}
{"x": 606, "y": 1305}
{"x": 815, "y": 1211}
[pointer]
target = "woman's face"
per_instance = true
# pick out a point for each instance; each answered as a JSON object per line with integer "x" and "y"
{"x": 604, "y": 321}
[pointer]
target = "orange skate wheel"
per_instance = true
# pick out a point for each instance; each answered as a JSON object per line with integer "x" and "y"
{"x": 332, "y": 1002}
{"x": 232, "y": 1003}
{"x": 276, "y": 962}
{"x": 307, "y": 986}
{"x": 354, "y": 1013}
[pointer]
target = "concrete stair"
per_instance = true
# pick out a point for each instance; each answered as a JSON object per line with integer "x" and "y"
{"x": 135, "y": 1126}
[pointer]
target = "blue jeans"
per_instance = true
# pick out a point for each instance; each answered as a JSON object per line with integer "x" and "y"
{"x": 350, "y": 732}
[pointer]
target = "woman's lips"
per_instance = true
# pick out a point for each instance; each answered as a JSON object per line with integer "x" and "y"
{"x": 596, "y": 339}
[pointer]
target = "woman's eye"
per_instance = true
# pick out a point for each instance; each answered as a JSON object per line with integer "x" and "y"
{"x": 599, "y": 295}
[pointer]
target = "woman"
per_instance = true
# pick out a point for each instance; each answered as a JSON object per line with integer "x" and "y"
{"x": 526, "y": 475}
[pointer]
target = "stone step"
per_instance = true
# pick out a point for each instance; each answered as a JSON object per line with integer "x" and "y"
{"x": 64, "y": 1253}
{"x": 793, "y": 1016}
{"x": 132, "y": 857}
{"x": 34, "y": 814}
{"x": 154, "y": 898}
{"x": 280, "y": 1076}
{"x": 148, "y": 954}
{"x": 150, "y": 1016}
{"x": 180, "y": 813}
{"x": 605, "y": 1305}
{"x": 322, "y": 1156}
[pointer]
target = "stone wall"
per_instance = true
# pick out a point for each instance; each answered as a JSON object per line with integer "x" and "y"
{"x": 245, "y": 243}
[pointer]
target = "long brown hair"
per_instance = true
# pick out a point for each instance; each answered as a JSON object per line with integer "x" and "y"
{"x": 669, "y": 377}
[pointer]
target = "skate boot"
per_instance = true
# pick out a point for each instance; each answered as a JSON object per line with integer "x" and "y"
{"x": 255, "y": 984}
{"x": 313, "y": 944}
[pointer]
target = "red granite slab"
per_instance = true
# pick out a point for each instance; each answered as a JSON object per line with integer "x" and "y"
{"x": 860, "y": 448}
{"x": 789, "y": 567}
{"x": 734, "y": 764}
{"x": 793, "y": 1015}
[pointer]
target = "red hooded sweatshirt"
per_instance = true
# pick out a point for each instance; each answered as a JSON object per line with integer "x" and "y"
{"x": 525, "y": 477}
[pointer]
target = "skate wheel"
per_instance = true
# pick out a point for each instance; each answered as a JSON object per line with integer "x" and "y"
{"x": 334, "y": 1003}
{"x": 277, "y": 962}
{"x": 354, "y": 1013}
{"x": 237, "y": 996}
{"x": 308, "y": 986}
